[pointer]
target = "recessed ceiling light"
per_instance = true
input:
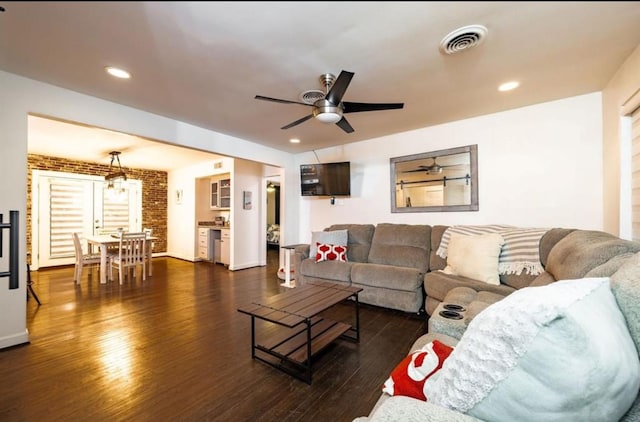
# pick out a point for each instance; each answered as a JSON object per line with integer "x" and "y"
{"x": 294, "y": 140}
{"x": 508, "y": 86}
{"x": 118, "y": 73}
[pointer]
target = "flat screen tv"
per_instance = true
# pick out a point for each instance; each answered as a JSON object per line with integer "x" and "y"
{"x": 327, "y": 179}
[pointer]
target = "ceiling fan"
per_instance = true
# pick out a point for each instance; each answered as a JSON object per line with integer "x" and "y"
{"x": 331, "y": 108}
{"x": 434, "y": 168}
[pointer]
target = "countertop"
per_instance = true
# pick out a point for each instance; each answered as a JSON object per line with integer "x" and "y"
{"x": 212, "y": 225}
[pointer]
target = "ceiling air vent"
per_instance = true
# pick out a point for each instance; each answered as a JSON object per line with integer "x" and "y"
{"x": 311, "y": 96}
{"x": 463, "y": 39}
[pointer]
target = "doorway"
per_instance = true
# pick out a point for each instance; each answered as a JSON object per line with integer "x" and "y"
{"x": 273, "y": 214}
{"x": 64, "y": 203}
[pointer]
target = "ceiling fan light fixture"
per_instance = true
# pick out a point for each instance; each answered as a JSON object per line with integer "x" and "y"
{"x": 327, "y": 112}
{"x": 329, "y": 117}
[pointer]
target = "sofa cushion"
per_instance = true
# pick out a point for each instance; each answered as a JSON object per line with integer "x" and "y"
{"x": 333, "y": 237}
{"x": 551, "y": 356}
{"x": 475, "y": 256}
{"x": 625, "y": 284}
{"x": 401, "y": 245}
{"x": 358, "y": 240}
{"x": 417, "y": 368}
{"x": 437, "y": 284}
{"x": 582, "y": 250}
{"x": 326, "y": 270}
{"x": 549, "y": 240}
{"x": 386, "y": 276}
{"x": 436, "y": 262}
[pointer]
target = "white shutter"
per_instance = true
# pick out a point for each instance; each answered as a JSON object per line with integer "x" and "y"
{"x": 68, "y": 200}
{"x": 635, "y": 174}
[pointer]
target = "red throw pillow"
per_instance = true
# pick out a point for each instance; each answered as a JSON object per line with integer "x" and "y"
{"x": 409, "y": 377}
{"x": 329, "y": 252}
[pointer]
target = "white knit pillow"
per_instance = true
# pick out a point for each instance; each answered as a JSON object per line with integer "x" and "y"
{"x": 475, "y": 256}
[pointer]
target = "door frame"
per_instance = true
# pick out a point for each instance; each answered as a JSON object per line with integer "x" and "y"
{"x": 37, "y": 176}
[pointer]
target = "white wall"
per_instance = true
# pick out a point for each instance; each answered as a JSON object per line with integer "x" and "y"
{"x": 538, "y": 166}
{"x": 248, "y": 239}
{"x": 13, "y": 196}
{"x": 620, "y": 88}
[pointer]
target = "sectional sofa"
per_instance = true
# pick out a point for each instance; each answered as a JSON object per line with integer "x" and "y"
{"x": 588, "y": 290}
{"x": 579, "y": 362}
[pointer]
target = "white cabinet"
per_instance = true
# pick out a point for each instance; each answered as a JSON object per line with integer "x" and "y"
{"x": 221, "y": 246}
{"x": 204, "y": 244}
{"x": 215, "y": 194}
{"x": 225, "y": 247}
{"x": 220, "y": 197}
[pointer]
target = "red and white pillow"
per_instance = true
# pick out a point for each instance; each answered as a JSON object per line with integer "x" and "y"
{"x": 329, "y": 252}
{"x": 413, "y": 372}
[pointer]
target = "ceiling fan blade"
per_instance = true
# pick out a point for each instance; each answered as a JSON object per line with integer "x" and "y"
{"x": 277, "y": 100}
{"x": 339, "y": 87}
{"x": 414, "y": 171}
{"x": 297, "y": 122}
{"x": 350, "y": 107}
{"x": 344, "y": 125}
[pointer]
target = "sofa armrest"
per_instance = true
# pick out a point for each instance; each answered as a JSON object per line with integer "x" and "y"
{"x": 300, "y": 253}
{"x": 407, "y": 409}
{"x": 303, "y": 250}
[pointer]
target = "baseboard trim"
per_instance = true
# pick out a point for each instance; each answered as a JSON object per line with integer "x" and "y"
{"x": 14, "y": 339}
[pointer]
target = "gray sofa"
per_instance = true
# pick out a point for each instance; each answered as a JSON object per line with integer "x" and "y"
{"x": 388, "y": 261}
{"x": 566, "y": 255}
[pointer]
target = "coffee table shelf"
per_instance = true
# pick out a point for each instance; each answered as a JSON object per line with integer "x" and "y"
{"x": 292, "y": 343}
{"x": 301, "y": 332}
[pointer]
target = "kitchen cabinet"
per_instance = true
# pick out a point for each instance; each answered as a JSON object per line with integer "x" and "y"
{"x": 222, "y": 246}
{"x": 220, "y": 197}
{"x": 205, "y": 245}
{"x": 225, "y": 247}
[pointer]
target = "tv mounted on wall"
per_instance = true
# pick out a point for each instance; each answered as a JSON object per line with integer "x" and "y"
{"x": 327, "y": 179}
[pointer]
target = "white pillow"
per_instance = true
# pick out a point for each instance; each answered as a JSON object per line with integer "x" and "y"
{"x": 561, "y": 350}
{"x": 475, "y": 256}
{"x": 332, "y": 237}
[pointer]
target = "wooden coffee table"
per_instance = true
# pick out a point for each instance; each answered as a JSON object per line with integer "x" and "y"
{"x": 302, "y": 331}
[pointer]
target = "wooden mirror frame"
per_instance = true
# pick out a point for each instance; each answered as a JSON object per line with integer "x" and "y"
{"x": 473, "y": 179}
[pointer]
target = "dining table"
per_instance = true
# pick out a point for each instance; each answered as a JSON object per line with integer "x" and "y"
{"x": 106, "y": 241}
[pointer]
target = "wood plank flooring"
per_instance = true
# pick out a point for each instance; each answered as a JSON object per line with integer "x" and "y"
{"x": 175, "y": 348}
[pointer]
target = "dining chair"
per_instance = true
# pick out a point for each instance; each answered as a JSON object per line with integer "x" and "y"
{"x": 82, "y": 259}
{"x": 131, "y": 253}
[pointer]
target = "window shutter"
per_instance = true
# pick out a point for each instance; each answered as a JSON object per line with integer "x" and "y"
{"x": 635, "y": 174}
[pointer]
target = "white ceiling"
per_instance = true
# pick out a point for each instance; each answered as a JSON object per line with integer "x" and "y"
{"x": 204, "y": 62}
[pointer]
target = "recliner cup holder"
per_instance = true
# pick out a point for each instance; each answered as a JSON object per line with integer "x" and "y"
{"x": 454, "y": 307}
{"x": 450, "y": 314}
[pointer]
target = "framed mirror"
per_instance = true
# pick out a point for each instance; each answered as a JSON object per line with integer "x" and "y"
{"x": 437, "y": 181}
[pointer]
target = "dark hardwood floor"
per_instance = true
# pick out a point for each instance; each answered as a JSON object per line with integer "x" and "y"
{"x": 175, "y": 348}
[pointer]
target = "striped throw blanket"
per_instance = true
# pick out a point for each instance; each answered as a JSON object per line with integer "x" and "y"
{"x": 520, "y": 251}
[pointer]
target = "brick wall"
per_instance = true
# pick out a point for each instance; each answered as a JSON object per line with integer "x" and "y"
{"x": 154, "y": 191}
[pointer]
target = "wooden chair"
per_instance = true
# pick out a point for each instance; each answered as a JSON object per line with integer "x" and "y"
{"x": 82, "y": 258}
{"x": 131, "y": 253}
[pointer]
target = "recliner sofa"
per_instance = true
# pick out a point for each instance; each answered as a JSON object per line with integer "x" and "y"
{"x": 388, "y": 261}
